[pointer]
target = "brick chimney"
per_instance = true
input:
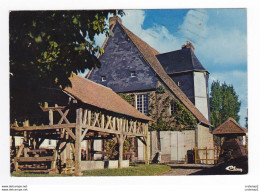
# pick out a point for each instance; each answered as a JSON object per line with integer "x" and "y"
{"x": 188, "y": 45}
{"x": 114, "y": 19}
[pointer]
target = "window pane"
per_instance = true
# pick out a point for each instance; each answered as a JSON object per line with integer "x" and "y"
{"x": 139, "y": 103}
{"x": 142, "y": 103}
{"x": 172, "y": 108}
{"x": 145, "y": 104}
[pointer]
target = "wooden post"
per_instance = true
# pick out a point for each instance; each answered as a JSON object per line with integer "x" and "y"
{"x": 26, "y": 144}
{"x": 206, "y": 155}
{"x": 121, "y": 145}
{"x": 146, "y": 151}
{"x": 147, "y": 145}
{"x": 53, "y": 164}
{"x": 102, "y": 121}
{"x": 50, "y": 117}
{"x": 68, "y": 164}
{"x": 78, "y": 142}
{"x": 13, "y": 145}
{"x": 120, "y": 157}
{"x": 196, "y": 152}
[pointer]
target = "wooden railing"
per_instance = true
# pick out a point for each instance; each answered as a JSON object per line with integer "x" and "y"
{"x": 206, "y": 155}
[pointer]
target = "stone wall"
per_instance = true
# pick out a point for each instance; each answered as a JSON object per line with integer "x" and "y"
{"x": 94, "y": 165}
{"x": 205, "y": 139}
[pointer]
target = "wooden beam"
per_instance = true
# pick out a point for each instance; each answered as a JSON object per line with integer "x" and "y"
{"x": 85, "y": 117}
{"x": 50, "y": 117}
{"x": 102, "y": 121}
{"x": 114, "y": 123}
{"x": 78, "y": 142}
{"x": 63, "y": 116}
{"x": 43, "y": 127}
{"x": 71, "y": 133}
{"x": 46, "y": 108}
{"x": 84, "y": 134}
{"x": 89, "y": 118}
{"x": 121, "y": 147}
{"x": 121, "y": 143}
{"x": 109, "y": 123}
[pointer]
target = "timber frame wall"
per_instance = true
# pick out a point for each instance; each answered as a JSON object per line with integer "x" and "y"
{"x": 89, "y": 124}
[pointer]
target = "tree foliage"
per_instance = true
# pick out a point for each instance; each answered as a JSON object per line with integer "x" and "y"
{"x": 224, "y": 103}
{"x": 45, "y": 47}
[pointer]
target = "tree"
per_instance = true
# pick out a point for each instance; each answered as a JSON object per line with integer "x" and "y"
{"x": 45, "y": 48}
{"x": 224, "y": 103}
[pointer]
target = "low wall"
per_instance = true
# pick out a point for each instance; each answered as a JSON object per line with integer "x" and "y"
{"x": 93, "y": 165}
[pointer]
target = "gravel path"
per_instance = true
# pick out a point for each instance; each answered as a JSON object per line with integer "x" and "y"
{"x": 185, "y": 169}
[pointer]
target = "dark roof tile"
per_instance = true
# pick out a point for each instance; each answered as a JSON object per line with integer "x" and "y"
{"x": 180, "y": 61}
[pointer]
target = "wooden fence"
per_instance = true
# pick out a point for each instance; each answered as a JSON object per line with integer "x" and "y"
{"x": 206, "y": 155}
{"x": 210, "y": 154}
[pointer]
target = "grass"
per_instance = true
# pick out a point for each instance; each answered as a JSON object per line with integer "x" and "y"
{"x": 138, "y": 170}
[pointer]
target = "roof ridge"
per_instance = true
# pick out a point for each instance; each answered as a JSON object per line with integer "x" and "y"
{"x": 93, "y": 82}
{"x": 230, "y": 119}
{"x": 155, "y": 52}
{"x": 98, "y": 55}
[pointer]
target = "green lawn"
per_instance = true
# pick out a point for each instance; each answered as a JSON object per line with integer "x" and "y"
{"x": 138, "y": 170}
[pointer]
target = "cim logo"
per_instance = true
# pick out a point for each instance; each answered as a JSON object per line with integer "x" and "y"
{"x": 234, "y": 168}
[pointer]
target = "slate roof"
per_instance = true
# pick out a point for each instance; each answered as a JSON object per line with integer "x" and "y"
{"x": 180, "y": 61}
{"x": 102, "y": 97}
{"x": 230, "y": 126}
{"x": 149, "y": 54}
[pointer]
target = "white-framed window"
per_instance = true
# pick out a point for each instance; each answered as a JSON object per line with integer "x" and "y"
{"x": 103, "y": 78}
{"x": 133, "y": 74}
{"x": 141, "y": 103}
{"x": 171, "y": 108}
{"x": 179, "y": 83}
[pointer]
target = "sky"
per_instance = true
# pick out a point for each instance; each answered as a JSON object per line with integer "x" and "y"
{"x": 218, "y": 35}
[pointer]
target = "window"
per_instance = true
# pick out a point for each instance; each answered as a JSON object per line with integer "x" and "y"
{"x": 133, "y": 74}
{"x": 103, "y": 78}
{"x": 171, "y": 108}
{"x": 49, "y": 142}
{"x": 179, "y": 83}
{"x": 142, "y": 103}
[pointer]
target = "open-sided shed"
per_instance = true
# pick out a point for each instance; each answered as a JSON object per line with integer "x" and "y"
{"x": 229, "y": 128}
{"x": 92, "y": 112}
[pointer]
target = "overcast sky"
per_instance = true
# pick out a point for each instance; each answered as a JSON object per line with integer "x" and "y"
{"x": 219, "y": 37}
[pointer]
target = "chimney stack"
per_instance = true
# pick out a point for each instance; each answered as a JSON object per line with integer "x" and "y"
{"x": 188, "y": 45}
{"x": 114, "y": 19}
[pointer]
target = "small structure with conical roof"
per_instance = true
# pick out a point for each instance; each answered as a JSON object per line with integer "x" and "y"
{"x": 229, "y": 128}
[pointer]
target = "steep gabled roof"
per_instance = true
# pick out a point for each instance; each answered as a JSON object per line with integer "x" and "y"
{"x": 230, "y": 126}
{"x": 102, "y": 97}
{"x": 149, "y": 54}
{"x": 180, "y": 61}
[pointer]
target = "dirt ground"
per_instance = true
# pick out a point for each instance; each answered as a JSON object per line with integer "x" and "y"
{"x": 185, "y": 169}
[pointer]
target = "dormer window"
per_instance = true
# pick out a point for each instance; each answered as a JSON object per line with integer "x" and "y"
{"x": 133, "y": 74}
{"x": 103, "y": 78}
{"x": 179, "y": 83}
